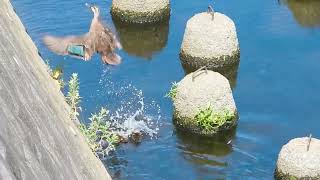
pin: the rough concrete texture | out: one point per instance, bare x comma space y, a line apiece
296, 162
197, 93
38, 140
230, 72
138, 11
211, 43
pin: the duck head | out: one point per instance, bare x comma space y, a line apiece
94, 9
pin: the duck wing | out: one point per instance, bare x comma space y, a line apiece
60, 45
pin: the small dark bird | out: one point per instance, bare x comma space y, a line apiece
99, 39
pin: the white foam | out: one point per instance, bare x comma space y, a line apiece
133, 113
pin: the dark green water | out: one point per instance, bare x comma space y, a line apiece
275, 90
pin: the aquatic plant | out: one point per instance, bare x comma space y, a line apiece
210, 120
173, 91
73, 97
100, 139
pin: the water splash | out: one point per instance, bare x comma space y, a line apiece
133, 113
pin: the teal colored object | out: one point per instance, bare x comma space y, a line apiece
76, 50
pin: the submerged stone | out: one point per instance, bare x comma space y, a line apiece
136, 137
104, 144
99, 133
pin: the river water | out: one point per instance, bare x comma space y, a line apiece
275, 87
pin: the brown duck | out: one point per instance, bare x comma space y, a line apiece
99, 39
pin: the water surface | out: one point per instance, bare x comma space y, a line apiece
275, 89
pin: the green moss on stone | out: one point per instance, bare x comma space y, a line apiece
140, 17
191, 125
278, 175
173, 91
209, 120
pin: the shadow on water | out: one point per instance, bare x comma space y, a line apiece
231, 73
142, 40
306, 12
205, 150
117, 164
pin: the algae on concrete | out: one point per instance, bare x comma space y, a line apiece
140, 17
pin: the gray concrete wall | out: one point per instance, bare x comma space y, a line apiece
37, 138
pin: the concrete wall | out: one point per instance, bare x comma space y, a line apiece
37, 138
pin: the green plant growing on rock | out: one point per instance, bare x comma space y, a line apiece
173, 91
73, 97
100, 139
210, 120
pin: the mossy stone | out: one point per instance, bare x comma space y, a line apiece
195, 92
136, 17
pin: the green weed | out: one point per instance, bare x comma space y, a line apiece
73, 97
173, 91
210, 120
100, 138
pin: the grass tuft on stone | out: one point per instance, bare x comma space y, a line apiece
173, 91
209, 120
99, 137
73, 97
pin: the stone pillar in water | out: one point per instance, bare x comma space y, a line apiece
211, 40
204, 104
138, 11
299, 159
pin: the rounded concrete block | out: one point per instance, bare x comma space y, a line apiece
299, 159
210, 41
198, 91
140, 11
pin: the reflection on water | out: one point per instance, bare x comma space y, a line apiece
116, 164
199, 149
231, 73
142, 40
306, 12
208, 154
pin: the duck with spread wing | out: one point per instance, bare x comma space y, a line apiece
99, 39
